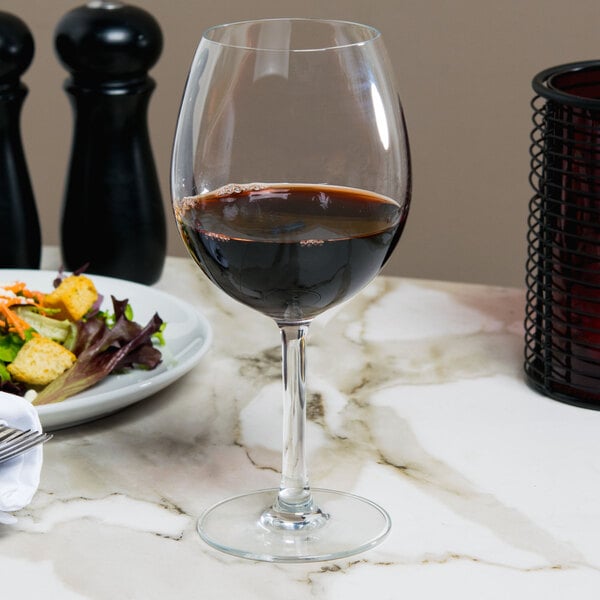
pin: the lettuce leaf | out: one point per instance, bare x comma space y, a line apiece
102, 349
10, 344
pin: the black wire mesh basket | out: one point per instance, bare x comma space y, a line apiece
562, 321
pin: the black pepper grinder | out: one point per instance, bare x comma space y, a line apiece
20, 238
113, 215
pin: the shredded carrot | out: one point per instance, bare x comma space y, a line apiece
16, 287
38, 297
18, 295
15, 323
20, 287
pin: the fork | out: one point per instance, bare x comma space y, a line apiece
14, 442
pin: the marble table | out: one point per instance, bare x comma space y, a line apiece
417, 401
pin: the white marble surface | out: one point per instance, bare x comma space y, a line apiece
417, 402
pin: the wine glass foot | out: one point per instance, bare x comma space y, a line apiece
343, 525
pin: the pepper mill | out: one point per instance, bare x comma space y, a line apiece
113, 216
20, 238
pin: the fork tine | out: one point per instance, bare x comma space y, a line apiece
22, 438
6, 430
16, 444
23, 445
12, 434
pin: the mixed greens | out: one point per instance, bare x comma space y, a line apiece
102, 342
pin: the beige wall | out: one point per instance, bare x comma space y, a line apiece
464, 69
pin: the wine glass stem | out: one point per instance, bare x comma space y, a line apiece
294, 492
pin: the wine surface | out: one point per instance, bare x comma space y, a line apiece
290, 251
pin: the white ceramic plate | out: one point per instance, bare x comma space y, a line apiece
187, 337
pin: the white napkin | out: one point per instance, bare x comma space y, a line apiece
19, 477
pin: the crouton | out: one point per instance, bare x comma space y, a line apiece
73, 297
40, 361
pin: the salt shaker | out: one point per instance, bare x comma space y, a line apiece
113, 215
20, 237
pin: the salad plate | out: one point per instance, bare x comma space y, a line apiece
187, 336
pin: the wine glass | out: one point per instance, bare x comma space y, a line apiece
291, 183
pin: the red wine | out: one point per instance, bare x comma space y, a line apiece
290, 251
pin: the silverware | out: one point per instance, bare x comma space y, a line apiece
14, 442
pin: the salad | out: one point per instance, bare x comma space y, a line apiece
56, 344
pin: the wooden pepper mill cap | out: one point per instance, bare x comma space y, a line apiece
16, 48
108, 41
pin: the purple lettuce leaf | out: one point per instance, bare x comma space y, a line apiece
13, 387
101, 350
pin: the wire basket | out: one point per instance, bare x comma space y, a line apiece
562, 321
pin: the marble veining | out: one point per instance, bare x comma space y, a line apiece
416, 400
